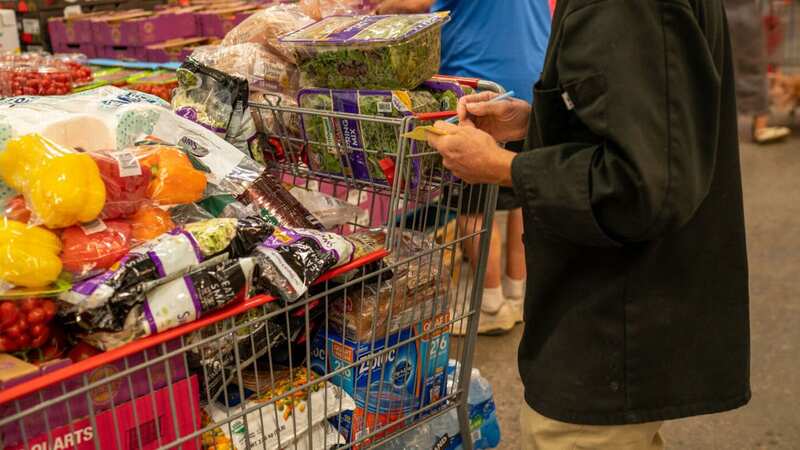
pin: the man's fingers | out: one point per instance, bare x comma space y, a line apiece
463, 102
447, 128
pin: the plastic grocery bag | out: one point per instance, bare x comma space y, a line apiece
260, 67
269, 24
112, 118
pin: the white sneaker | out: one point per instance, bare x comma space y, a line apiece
514, 291
490, 324
517, 309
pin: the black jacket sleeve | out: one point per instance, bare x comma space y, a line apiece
643, 81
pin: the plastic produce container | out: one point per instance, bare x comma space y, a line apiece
369, 52
371, 142
35, 79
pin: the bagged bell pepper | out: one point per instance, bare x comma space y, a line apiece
174, 179
126, 183
150, 222
62, 187
28, 255
86, 253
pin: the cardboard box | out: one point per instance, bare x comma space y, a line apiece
141, 382
173, 50
122, 52
218, 22
136, 424
392, 385
159, 27
12, 368
108, 28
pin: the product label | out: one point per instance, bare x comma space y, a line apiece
171, 305
172, 253
385, 107
331, 243
94, 227
128, 164
288, 273
30, 26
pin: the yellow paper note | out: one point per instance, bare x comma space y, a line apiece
421, 133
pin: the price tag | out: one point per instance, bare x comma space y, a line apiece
94, 227
30, 26
128, 164
384, 107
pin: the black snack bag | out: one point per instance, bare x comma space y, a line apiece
268, 195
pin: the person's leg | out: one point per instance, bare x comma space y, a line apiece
496, 315
514, 279
750, 63
542, 433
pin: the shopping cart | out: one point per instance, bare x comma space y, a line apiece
355, 363
782, 25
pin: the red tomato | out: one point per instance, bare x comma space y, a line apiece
82, 351
36, 316
8, 314
23, 341
50, 309
13, 331
23, 325
40, 329
28, 304
7, 344
39, 341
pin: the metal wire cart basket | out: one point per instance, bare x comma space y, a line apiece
369, 353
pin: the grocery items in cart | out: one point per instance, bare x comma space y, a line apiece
215, 100
389, 378
368, 52
261, 68
285, 398
340, 145
444, 432
265, 27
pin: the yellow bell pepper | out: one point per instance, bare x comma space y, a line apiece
28, 255
62, 187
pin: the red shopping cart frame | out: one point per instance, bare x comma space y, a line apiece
21, 390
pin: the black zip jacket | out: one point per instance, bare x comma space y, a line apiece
637, 302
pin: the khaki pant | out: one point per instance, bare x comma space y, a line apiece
541, 433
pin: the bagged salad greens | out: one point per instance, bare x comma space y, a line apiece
216, 100
369, 52
361, 155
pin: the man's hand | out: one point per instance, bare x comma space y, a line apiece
505, 120
403, 6
472, 154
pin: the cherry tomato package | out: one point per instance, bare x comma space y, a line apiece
26, 324
87, 251
35, 79
126, 182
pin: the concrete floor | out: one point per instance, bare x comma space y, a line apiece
772, 420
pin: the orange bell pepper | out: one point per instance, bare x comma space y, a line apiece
175, 181
149, 223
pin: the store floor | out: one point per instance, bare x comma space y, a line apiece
772, 420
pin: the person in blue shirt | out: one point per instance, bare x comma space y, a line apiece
502, 41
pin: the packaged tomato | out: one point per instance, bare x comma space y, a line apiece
26, 324
90, 249
44, 78
160, 83
126, 182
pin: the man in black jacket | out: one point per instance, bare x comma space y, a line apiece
637, 302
